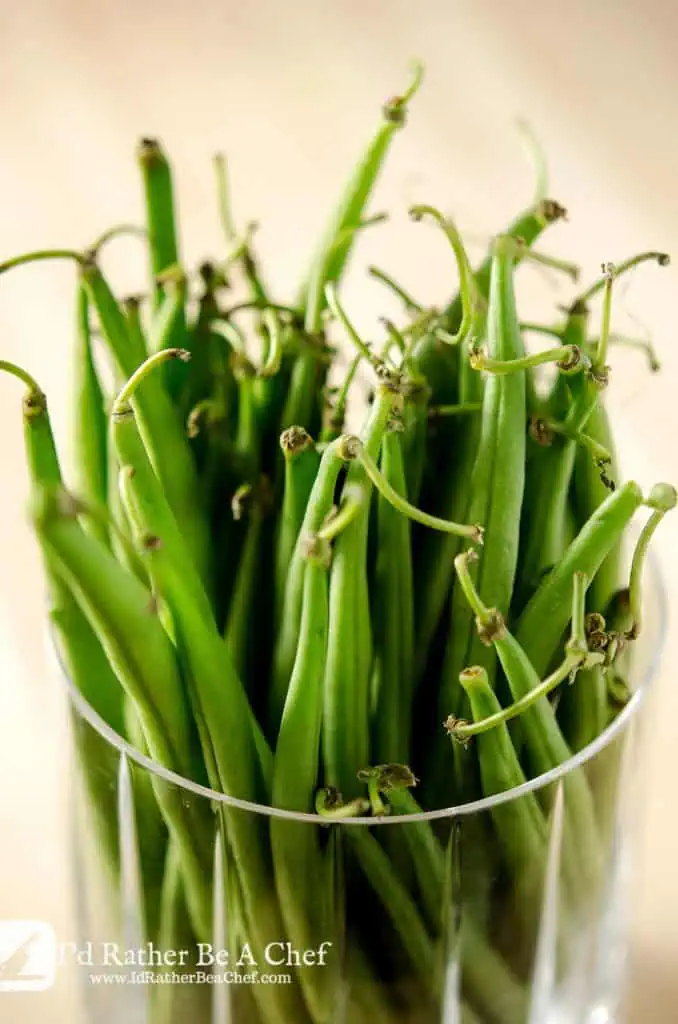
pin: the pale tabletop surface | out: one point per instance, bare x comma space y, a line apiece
291, 91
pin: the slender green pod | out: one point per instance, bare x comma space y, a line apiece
329, 264
131, 307
393, 614
298, 853
346, 740
239, 632
160, 216
90, 669
236, 756
487, 980
457, 447
545, 745
496, 492
320, 500
543, 621
521, 825
548, 484
415, 434
175, 578
162, 431
302, 460
122, 614
91, 422
589, 492
397, 903
168, 323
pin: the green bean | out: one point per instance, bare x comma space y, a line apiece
542, 622
496, 489
152, 834
89, 668
236, 756
394, 617
435, 553
297, 850
91, 424
162, 432
139, 349
549, 484
321, 498
397, 903
521, 828
301, 466
545, 745
520, 824
160, 216
329, 264
168, 324
487, 980
589, 492
238, 632
138, 650
121, 612
583, 709
349, 656
301, 404
415, 436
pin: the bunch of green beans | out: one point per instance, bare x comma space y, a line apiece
319, 620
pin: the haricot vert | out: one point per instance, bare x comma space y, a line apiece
348, 575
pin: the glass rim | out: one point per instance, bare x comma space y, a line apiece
488, 803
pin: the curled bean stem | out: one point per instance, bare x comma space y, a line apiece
41, 254
463, 731
340, 313
352, 448
663, 499
17, 371
467, 289
164, 356
565, 354
274, 355
410, 304
662, 258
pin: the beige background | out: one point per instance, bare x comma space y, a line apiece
291, 91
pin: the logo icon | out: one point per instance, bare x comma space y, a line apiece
28, 956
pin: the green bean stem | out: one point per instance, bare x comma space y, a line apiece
352, 449
568, 358
662, 499
410, 304
466, 281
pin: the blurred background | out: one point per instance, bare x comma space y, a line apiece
292, 92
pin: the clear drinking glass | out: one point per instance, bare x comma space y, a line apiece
394, 920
